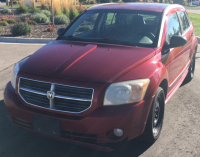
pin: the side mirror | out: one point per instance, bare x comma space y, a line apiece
175, 41
60, 31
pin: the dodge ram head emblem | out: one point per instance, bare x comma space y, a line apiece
50, 94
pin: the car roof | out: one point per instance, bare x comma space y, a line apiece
154, 7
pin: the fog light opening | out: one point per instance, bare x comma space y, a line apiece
118, 132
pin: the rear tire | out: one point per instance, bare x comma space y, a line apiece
155, 119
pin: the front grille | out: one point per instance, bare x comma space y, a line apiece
64, 98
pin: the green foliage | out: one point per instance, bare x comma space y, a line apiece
115, 1
11, 21
185, 3
66, 12
21, 9
40, 18
195, 18
61, 19
31, 22
33, 10
4, 23
0, 28
46, 12
108, 1
82, 1
6, 11
84, 29
23, 16
73, 13
21, 29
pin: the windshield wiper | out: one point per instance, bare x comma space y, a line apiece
114, 40
71, 37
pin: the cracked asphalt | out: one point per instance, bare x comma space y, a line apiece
180, 134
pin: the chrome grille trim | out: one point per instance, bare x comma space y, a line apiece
51, 102
33, 91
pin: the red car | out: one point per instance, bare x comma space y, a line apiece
108, 75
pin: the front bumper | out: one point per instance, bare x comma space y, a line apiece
93, 128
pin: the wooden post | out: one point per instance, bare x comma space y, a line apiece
52, 12
12, 7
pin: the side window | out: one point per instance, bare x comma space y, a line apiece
110, 19
173, 27
184, 20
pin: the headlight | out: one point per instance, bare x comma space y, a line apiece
16, 68
126, 92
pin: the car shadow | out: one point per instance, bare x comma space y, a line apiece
38, 145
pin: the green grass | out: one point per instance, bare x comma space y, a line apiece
89, 5
195, 18
8, 6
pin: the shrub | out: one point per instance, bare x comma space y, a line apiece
46, 12
185, 3
4, 23
33, 10
3, 18
50, 28
73, 13
115, 1
6, 11
80, 9
61, 19
24, 16
11, 21
40, 18
66, 12
93, 2
31, 22
21, 9
21, 29
109, 1
84, 29
0, 28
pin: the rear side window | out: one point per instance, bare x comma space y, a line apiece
173, 27
184, 21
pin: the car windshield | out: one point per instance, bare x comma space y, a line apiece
124, 27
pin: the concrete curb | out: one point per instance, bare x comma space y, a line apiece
26, 40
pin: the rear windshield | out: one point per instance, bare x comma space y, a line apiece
124, 27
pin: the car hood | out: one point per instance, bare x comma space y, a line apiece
85, 61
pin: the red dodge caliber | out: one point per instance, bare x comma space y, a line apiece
108, 75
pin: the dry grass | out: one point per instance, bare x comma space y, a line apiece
59, 5
67, 4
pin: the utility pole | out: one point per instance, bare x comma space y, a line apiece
52, 12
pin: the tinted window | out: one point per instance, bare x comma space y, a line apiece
173, 27
184, 20
124, 27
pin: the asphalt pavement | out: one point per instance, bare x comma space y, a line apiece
180, 136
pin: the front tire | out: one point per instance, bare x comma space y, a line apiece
155, 119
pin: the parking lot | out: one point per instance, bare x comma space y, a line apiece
180, 135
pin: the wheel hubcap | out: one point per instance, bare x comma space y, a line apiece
156, 113
156, 120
